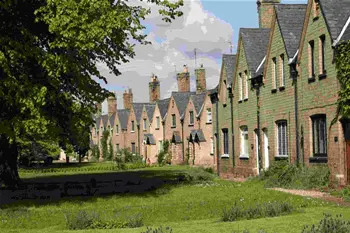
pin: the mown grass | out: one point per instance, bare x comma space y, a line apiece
195, 206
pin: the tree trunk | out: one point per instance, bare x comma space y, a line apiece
8, 163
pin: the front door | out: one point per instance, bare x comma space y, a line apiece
266, 150
346, 125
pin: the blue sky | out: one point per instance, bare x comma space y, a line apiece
206, 26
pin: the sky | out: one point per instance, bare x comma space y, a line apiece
206, 25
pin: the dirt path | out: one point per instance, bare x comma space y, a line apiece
314, 194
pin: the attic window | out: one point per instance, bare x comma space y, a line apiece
316, 9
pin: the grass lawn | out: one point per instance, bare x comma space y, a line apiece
185, 208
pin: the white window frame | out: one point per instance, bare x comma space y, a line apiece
280, 140
133, 152
144, 124
240, 87
209, 116
282, 70
243, 132
117, 129
274, 73
157, 122
132, 126
173, 116
246, 86
211, 145
191, 117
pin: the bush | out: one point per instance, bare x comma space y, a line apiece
163, 156
104, 145
329, 225
253, 212
158, 230
135, 221
285, 175
81, 220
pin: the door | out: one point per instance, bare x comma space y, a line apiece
348, 159
266, 150
346, 125
257, 151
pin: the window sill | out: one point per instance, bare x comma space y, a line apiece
274, 90
144, 130
322, 76
132, 131
225, 156
318, 160
156, 128
173, 127
279, 157
208, 123
311, 79
282, 88
211, 154
243, 157
190, 125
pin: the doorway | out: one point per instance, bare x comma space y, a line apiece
346, 125
266, 150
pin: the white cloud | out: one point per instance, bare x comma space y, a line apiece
174, 44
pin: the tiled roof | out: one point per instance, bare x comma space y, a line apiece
229, 62
181, 99
149, 139
112, 119
176, 137
255, 42
198, 100
104, 120
197, 135
336, 13
138, 108
123, 115
290, 18
98, 120
150, 110
163, 106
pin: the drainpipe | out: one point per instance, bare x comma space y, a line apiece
214, 100
183, 144
233, 134
138, 138
294, 75
256, 83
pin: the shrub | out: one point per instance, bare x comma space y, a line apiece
104, 145
283, 174
163, 156
209, 170
135, 221
158, 230
253, 212
110, 151
329, 225
81, 220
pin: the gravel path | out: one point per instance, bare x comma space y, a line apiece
314, 194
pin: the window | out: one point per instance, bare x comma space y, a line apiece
311, 59
117, 129
316, 8
160, 146
274, 73
211, 145
322, 54
191, 118
133, 148
282, 70
144, 124
117, 148
209, 117
173, 117
158, 122
282, 140
244, 142
319, 135
240, 86
225, 140
132, 126
246, 85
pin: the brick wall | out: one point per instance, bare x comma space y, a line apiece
154, 90
266, 13
183, 82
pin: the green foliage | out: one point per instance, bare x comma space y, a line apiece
163, 156
285, 175
95, 152
257, 211
158, 230
110, 151
342, 61
104, 145
131, 158
329, 225
187, 156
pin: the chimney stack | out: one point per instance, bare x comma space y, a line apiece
154, 89
183, 80
201, 82
128, 99
112, 104
99, 109
265, 11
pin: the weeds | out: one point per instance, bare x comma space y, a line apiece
259, 211
329, 225
158, 230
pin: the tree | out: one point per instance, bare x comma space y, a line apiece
48, 55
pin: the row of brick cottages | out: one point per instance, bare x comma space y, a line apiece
185, 119
280, 102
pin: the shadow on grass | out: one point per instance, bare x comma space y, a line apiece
43, 166
88, 187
